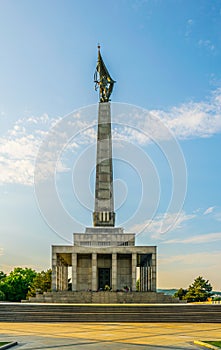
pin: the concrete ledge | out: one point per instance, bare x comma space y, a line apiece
206, 345
103, 298
7, 346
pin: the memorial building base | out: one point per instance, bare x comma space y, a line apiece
104, 259
103, 266
70, 297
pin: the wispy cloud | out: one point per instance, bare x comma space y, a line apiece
20, 145
18, 149
215, 211
201, 258
188, 120
207, 44
195, 119
209, 210
189, 27
158, 226
205, 238
17, 159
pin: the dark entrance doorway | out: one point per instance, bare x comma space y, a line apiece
103, 278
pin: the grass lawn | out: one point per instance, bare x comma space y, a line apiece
3, 343
215, 343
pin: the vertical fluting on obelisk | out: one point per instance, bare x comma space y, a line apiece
104, 197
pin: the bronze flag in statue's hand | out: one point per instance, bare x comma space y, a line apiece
103, 80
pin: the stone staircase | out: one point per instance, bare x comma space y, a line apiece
18, 312
103, 298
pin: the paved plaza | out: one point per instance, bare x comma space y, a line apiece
112, 336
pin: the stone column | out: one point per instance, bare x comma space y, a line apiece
142, 279
66, 273
54, 285
74, 272
134, 265
60, 277
149, 278
154, 272
114, 271
94, 272
64, 277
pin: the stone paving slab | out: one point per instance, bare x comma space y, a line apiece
205, 345
114, 336
8, 345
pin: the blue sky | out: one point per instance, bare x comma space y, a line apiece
165, 57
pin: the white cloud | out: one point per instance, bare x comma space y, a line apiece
88, 136
128, 134
19, 147
197, 210
17, 159
189, 27
208, 210
1, 251
205, 238
207, 44
201, 258
188, 120
196, 119
162, 223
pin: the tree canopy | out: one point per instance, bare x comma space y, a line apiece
199, 290
15, 286
41, 283
23, 282
180, 293
2, 275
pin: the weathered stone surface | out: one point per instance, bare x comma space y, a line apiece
104, 199
105, 298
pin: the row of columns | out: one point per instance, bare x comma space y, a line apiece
95, 271
145, 278
60, 273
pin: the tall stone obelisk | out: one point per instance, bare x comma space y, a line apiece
104, 255
104, 214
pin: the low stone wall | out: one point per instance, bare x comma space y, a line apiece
103, 298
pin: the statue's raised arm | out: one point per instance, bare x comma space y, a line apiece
103, 80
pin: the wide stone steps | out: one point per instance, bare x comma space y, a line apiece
10, 312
